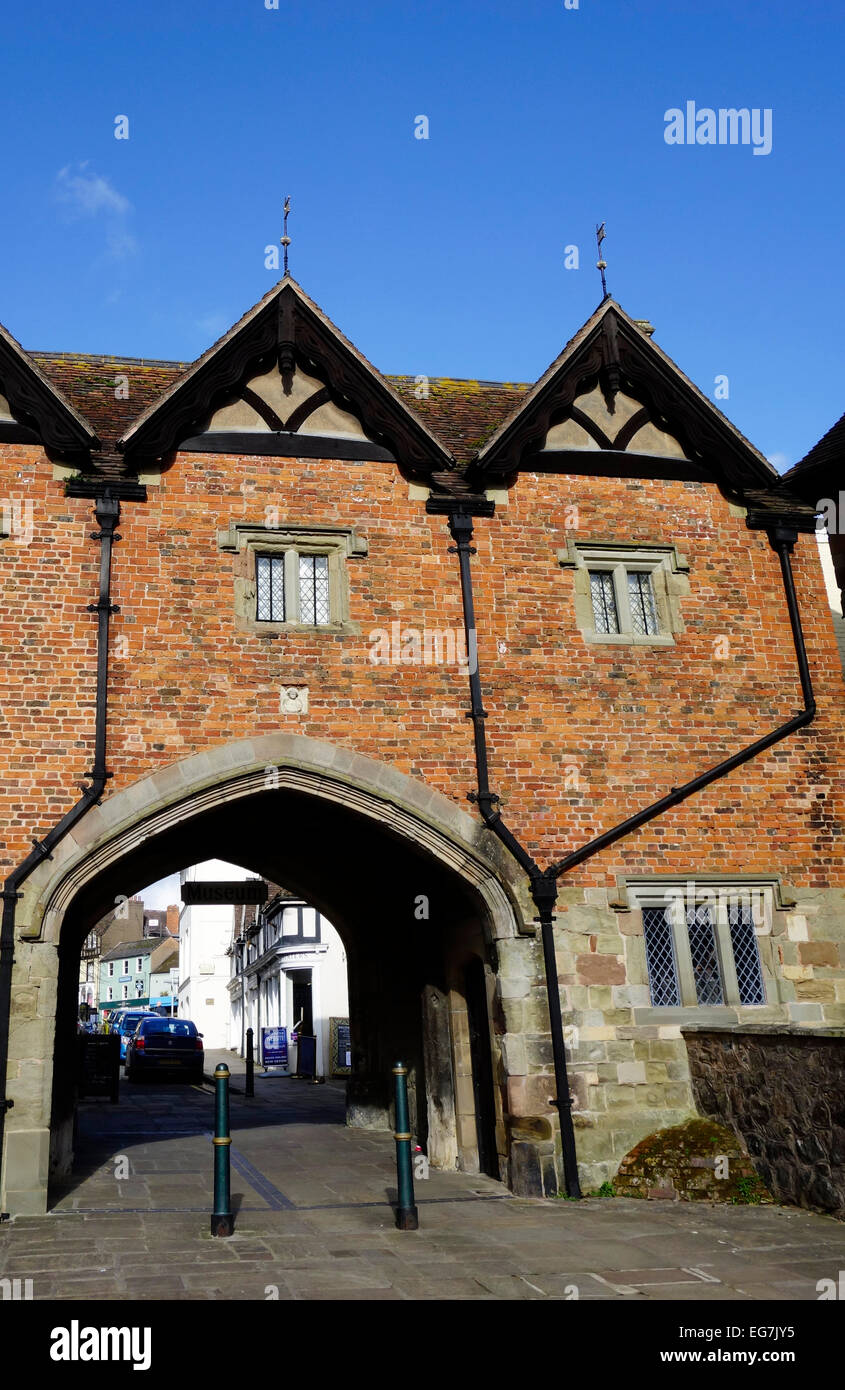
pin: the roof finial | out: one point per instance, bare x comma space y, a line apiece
285, 241
601, 263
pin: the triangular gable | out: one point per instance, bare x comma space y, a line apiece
34, 410
823, 468
613, 401
285, 381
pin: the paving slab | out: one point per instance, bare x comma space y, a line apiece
314, 1220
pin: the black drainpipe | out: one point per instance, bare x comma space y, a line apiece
782, 539
543, 882
107, 512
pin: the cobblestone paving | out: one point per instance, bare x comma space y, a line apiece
314, 1220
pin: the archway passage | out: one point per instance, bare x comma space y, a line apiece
418, 941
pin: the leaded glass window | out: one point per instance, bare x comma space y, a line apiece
746, 955
293, 587
270, 588
604, 601
314, 590
705, 956
623, 602
641, 598
704, 953
660, 957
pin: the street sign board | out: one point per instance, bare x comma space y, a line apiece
341, 1047
204, 892
274, 1047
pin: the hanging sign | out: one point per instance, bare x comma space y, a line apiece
248, 890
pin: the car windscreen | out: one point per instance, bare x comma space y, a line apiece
176, 1027
129, 1022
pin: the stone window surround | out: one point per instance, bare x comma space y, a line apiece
768, 892
665, 564
248, 539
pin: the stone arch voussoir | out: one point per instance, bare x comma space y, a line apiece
181, 790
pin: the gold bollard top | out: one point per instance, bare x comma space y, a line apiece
221, 1069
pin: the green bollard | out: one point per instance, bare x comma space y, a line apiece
406, 1212
222, 1221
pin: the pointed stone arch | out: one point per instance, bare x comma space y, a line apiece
235, 770
64, 896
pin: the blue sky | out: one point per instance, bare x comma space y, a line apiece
442, 256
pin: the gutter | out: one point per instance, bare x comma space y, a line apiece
460, 513
107, 512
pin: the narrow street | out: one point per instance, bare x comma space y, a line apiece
314, 1221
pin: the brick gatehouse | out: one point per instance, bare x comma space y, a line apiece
234, 624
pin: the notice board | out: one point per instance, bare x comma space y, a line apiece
340, 1047
274, 1047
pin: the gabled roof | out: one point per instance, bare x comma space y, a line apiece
462, 414
286, 322
124, 949
828, 456
614, 351
454, 435
38, 405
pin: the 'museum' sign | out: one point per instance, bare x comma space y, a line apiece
248, 890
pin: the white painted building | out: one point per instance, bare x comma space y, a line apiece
834, 596
291, 966
205, 941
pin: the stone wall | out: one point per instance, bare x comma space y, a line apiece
782, 1090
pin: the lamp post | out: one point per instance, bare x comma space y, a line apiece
239, 967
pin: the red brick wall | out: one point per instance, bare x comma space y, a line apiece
48, 644
633, 721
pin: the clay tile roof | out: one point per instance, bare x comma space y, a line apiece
89, 384
828, 453
462, 414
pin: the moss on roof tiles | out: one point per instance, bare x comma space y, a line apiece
462, 413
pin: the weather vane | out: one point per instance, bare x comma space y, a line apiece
285, 241
601, 263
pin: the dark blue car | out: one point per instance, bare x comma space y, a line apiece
161, 1045
126, 1024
